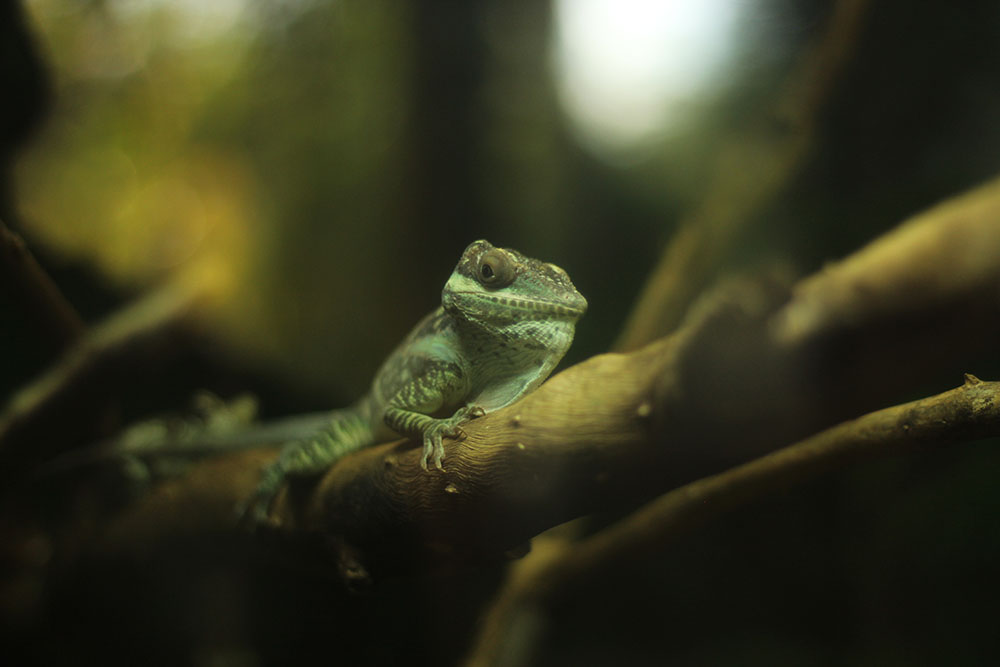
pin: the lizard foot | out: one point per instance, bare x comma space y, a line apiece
450, 427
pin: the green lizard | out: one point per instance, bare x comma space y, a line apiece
504, 323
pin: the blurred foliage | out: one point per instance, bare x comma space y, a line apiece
326, 162
286, 153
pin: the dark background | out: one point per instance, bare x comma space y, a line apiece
331, 160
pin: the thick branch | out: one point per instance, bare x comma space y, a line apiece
581, 434
938, 257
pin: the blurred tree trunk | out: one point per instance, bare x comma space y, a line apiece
446, 125
24, 87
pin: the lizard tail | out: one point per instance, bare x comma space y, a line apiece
347, 430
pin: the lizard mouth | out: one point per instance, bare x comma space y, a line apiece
574, 308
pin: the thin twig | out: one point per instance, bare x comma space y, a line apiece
60, 409
27, 282
969, 412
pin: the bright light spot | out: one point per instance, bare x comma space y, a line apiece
628, 69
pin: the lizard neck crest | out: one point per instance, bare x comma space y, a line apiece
493, 287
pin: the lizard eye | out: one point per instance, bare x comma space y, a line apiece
495, 269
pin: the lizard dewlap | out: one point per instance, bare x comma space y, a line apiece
504, 323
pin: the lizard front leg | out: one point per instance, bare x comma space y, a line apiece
408, 411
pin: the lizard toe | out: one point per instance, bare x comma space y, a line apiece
433, 448
438, 455
427, 451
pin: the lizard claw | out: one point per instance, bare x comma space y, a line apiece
432, 442
433, 448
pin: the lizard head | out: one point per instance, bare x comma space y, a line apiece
500, 284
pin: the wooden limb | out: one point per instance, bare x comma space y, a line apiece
496, 492
969, 412
751, 172
52, 316
939, 256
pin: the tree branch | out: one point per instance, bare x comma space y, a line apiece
939, 256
